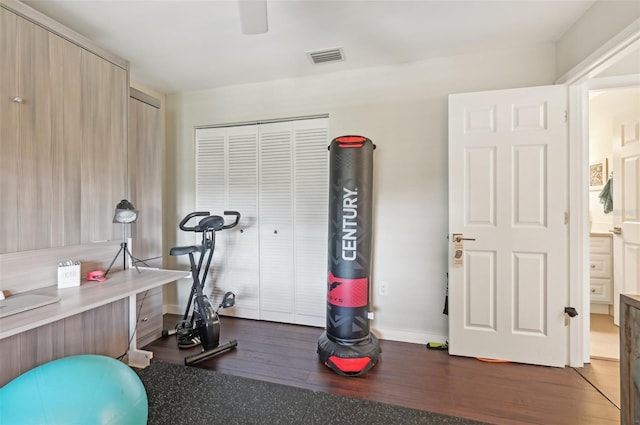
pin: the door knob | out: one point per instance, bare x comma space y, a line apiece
17, 99
457, 237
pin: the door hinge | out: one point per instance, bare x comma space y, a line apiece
566, 217
566, 115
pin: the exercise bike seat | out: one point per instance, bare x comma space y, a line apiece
183, 250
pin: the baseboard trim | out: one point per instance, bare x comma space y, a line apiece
408, 336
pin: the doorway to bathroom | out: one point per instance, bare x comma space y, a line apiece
613, 111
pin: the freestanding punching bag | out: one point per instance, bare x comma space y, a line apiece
347, 346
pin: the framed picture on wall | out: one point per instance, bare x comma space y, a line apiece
598, 174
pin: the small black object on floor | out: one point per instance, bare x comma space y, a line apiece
188, 395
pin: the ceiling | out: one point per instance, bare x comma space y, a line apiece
182, 45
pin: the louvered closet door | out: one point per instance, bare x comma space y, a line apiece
276, 176
227, 179
293, 221
210, 168
211, 189
311, 203
241, 247
276, 222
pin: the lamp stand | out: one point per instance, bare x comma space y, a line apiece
125, 251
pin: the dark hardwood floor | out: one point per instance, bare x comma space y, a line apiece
410, 375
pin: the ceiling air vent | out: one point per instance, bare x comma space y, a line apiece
324, 56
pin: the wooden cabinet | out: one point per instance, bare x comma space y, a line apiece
63, 118
630, 359
26, 123
146, 158
600, 269
149, 313
104, 93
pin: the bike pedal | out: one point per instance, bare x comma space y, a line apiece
189, 342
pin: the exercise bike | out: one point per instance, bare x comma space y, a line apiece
202, 326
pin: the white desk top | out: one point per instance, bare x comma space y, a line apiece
87, 296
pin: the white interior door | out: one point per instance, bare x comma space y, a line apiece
508, 194
626, 205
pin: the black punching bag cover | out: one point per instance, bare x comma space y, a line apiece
347, 346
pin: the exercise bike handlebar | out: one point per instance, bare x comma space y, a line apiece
235, 223
183, 223
198, 228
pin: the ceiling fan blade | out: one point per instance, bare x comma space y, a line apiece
253, 16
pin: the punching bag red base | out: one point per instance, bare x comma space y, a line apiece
347, 346
349, 360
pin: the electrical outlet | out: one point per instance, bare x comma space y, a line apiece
384, 288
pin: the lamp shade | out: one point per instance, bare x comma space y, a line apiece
125, 212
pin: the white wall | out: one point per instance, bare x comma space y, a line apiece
604, 20
403, 109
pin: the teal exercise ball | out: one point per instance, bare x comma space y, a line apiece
84, 389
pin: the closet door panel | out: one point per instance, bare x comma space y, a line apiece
241, 242
226, 179
66, 142
34, 150
9, 122
146, 154
210, 168
311, 192
104, 105
210, 195
276, 223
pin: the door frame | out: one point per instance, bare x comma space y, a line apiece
580, 80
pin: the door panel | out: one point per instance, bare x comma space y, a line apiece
9, 131
480, 285
241, 242
227, 179
480, 184
626, 213
311, 212
276, 222
145, 164
103, 171
508, 198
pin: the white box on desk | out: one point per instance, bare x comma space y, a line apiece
69, 276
